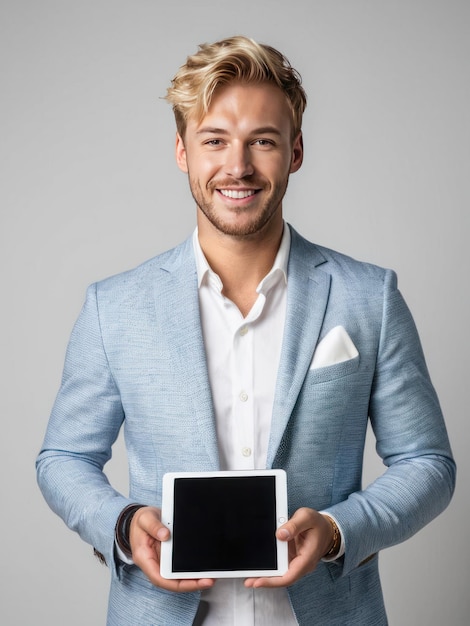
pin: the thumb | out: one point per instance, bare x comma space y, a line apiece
301, 520
148, 519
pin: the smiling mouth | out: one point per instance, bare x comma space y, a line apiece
238, 194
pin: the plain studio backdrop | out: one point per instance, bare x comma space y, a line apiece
90, 188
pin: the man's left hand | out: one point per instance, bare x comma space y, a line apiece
310, 536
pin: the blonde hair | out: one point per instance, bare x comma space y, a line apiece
233, 59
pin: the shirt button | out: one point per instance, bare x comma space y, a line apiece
243, 396
246, 451
243, 330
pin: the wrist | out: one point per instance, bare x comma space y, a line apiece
335, 544
123, 526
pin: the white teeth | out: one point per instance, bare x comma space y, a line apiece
231, 193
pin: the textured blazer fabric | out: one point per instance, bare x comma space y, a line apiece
136, 360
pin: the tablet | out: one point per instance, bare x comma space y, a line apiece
223, 524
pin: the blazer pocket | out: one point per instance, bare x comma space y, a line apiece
332, 372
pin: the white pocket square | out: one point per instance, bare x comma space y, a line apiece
335, 347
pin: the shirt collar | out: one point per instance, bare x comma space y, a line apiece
278, 270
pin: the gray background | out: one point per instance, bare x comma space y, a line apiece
90, 188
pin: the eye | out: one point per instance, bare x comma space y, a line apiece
263, 143
213, 142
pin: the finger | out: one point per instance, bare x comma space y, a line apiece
301, 520
182, 585
187, 586
148, 519
298, 567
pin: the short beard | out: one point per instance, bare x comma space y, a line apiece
256, 225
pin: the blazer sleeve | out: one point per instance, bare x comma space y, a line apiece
411, 439
85, 422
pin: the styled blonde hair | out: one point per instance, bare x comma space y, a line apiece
237, 59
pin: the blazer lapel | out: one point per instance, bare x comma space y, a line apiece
181, 309
307, 298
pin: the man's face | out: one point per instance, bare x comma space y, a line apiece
239, 158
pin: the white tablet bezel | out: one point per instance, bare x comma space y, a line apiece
166, 553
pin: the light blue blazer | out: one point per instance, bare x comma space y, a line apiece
136, 359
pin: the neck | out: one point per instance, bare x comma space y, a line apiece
240, 262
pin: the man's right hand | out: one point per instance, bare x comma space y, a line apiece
145, 537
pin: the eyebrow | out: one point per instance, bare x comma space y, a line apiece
212, 131
264, 130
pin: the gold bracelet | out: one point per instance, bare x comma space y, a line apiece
335, 546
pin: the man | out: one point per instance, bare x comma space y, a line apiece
247, 347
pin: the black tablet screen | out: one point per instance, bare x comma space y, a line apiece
224, 524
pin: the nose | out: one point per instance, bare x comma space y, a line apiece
238, 163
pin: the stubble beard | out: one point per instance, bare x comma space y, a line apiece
260, 219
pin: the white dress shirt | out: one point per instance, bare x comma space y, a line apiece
242, 358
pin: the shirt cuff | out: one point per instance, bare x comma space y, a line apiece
121, 556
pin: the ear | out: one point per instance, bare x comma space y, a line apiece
297, 153
180, 152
